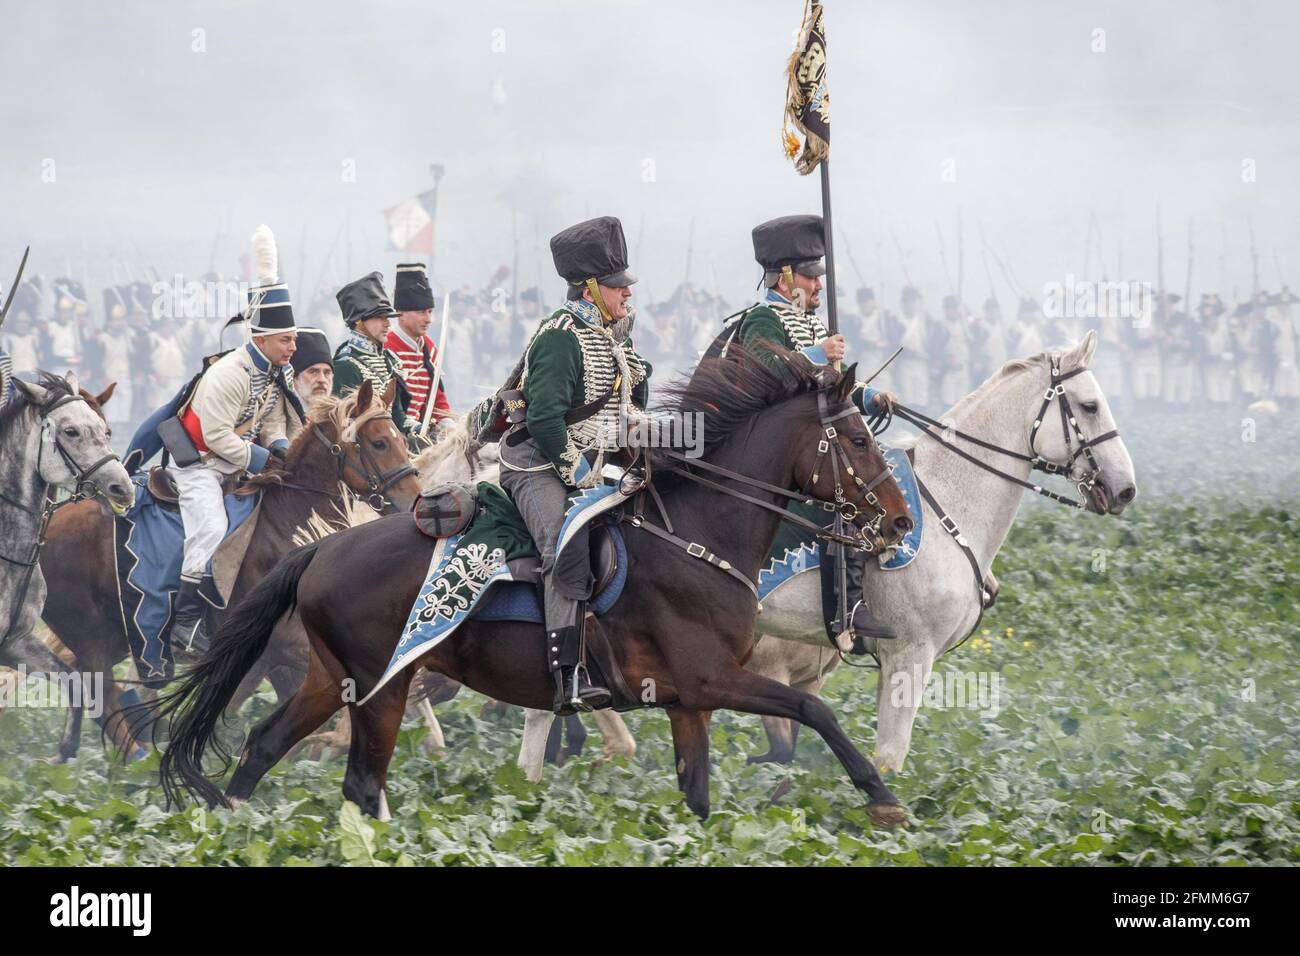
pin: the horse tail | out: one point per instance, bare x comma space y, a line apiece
206, 690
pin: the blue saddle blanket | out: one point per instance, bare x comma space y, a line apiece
474, 574
149, 543
796, 550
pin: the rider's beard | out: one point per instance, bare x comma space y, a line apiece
620, 329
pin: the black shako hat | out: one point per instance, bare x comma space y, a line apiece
364, 299
594, 249
313, 349
795, 241
411, 292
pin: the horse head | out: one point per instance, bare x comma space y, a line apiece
75, 451
1075, 431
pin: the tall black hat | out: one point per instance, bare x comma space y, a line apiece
411, 292
114, 303
795, 241
365, 299
594, 249
68, 294
313, 349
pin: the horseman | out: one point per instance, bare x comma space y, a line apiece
580, 378
239, 413
313, 369
790, 250
413, 300
362, 356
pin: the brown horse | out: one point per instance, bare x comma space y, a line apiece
680, 632
350, 441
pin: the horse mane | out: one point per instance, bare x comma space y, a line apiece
331, 410
731, 390
454, 438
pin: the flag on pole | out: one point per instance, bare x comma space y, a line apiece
807, 102
410, 224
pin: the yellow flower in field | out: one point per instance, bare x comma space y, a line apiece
1011, 632
1027, 643
985, 632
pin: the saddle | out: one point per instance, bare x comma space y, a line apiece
161, 484
604, 561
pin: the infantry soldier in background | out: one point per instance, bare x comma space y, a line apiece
914, 363
1145, 365
1178, 358
1218, 364
1286, 377
955, 376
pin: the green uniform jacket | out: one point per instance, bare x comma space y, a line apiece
761, 323
556, 384
349, 373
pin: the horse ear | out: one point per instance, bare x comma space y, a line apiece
102, 398
34, 393
1081, 354
73, 385
390, 390
847, 382
365, 395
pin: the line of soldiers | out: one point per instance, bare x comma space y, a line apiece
1164, 356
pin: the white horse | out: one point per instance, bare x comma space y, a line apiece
934, 602
50, 437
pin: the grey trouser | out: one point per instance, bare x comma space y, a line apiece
542, 497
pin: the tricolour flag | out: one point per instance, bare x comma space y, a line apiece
807, 102
410, 224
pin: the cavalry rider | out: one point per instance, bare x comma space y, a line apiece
313, 369
790, 249
413, 300
362, 356
580, 378
241, 412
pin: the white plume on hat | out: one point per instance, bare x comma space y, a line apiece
265, 256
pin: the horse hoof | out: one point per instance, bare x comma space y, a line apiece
887, 814
782, 788
235, 802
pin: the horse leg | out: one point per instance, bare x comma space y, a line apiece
319, 696
904, 674
374, 735
25, 649
691, 745
780, 741
532, 751
434, 740
618, 740
575, 733
737, 689
554, 738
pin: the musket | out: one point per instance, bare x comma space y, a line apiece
437, 366
13, 289
848, 250
1187, 284
943, 256
1254, 269
984, 255
902, 259
961, 256
690, 250
1160, 266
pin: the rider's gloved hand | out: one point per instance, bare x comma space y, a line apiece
257, 458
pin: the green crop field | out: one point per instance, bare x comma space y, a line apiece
1147, 712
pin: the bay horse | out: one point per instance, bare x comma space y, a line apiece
935, 601
680, 631
53, 435
349, 441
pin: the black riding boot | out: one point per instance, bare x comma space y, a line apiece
573, 689
188, 633
862, 622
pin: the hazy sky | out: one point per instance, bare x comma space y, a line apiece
658, 112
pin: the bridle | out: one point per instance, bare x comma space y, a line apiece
844, 509
49, 505
1069, 426
377, 482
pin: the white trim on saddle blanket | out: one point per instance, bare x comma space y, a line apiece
807, 557
442, 606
